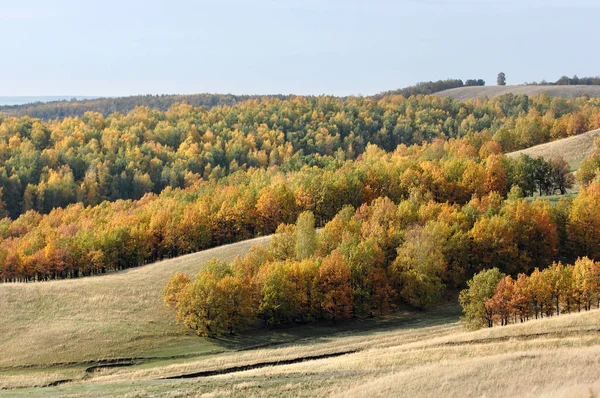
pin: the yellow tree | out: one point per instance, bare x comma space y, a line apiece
306, 236
522, 297
585, 283
235, 298
175, 286
419, 268
334, 281
541, 294
495, 175
584, 222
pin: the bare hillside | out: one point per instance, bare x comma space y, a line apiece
466, 93
572, 149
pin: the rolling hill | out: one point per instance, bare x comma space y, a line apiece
427, 355
467, 93
113, 315
110, 335
573, 149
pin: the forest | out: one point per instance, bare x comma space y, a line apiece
81, 240
365, 262
107, 106
413, 195
45, 165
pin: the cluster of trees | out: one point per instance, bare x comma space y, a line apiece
546, 177
80, 240
571, 81
495, 299
366, 262
44, 165
425, 88
106, 106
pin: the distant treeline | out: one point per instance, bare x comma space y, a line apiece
44, 165
570, 81
124, 105
425, 88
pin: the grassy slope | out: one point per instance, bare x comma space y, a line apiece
558, 356
109, 316
466, 93
572, 149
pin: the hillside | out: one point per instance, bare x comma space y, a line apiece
572, 149
556, 356
467, 93
114, 315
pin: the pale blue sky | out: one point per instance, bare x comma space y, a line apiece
341, 47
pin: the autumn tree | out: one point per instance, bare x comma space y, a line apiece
584, 222
306, 235
334, 279
481, 288
501, 304
541, 294
176, 284
419, 267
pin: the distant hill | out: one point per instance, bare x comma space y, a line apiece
106, 106
466, 93
572, 149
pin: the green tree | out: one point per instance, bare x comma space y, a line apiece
501, 80
419, 268
306, 235
473, 299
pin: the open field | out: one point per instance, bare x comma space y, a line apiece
111, 336
572, 149
111, 316
430, 356
467, 93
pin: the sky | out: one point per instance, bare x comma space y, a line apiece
337, 47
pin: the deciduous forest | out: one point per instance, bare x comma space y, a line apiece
413, 195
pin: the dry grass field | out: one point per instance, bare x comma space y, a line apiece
111, 336
572, 149
557, 357
467, 93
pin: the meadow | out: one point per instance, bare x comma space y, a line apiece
481, 92
427, 355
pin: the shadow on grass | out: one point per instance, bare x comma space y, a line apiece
403, 318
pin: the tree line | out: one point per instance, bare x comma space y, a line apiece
365, 262
493, 298
571, 81
91, 159
431, 87
107, 106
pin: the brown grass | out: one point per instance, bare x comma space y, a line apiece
467, 93
572, 149
558, 356
121, 315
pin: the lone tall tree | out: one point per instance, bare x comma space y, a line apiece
501, 79
306, 235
